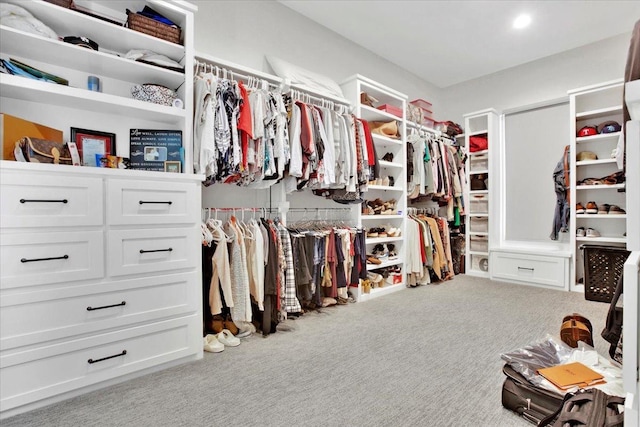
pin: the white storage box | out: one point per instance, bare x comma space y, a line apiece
479, 225
478, 164
479, 262
479, 204
479, 244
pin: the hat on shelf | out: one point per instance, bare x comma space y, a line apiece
81, 41
609, 127
587, 131
586, 155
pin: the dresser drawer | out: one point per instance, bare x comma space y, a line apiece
47, 371
38, 200
89, 308
549, 271
152, 250
30, 259
152, 202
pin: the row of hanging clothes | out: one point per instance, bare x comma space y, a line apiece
436, 170
253, 135
429, 256
258, 272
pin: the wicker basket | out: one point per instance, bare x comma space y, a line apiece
602, 268
152, 27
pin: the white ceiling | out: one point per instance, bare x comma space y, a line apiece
448, 42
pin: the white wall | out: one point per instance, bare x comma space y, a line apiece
545, 79
245, 31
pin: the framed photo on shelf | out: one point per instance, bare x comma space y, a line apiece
91, 143
173, 166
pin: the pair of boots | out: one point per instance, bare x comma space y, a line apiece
219, 322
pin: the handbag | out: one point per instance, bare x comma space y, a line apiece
478, 143
36, 150
388, 129
612, 331
587, 408
576, 328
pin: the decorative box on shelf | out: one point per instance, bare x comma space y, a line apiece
152, 27
391, 109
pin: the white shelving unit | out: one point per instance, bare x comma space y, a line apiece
352, 87
479, 208
591, 106
125, 298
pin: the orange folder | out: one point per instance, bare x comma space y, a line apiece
571, 375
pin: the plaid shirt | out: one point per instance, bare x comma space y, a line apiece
291, 303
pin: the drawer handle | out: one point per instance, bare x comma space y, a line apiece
44, 259
106, 306
143, 251
525, 268
142, 202
108, 357
43, 201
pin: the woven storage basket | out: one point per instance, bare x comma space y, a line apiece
152, 27
603, 266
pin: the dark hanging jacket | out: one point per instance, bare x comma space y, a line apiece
561, 184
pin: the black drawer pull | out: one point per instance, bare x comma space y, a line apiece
143, 251
44, 259
106, 306
525, 268
108, 357
43, 201
142, 202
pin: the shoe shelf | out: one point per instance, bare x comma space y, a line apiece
375, 240
385, 141
477, 233
383, 264
479, 171
600, 137
602, 239
479, 153
599, 187
595, 162
386, 164
599, 113
478, 253
601, 216
384, 187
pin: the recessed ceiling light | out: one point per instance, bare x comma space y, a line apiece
522, 21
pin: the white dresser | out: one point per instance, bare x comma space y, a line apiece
100, 278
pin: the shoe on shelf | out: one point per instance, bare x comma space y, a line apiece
388, 157
616, 210
382, 232
391, 181
580, 232
603, 209
373, 260
592, 232
385, 181
212, 345
373, 232
228, 339
579, 208
592, 208
392, 251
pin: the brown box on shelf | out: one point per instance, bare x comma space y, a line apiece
152, 27
13, 129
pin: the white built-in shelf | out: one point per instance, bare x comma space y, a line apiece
372, 240
478, 253
602, 239
479, 171
599, 137
386, 164
479, 153
479, 132
601, 112
459, 136
595, 162
384, 264
415, 125
372, 217
66, 22
478, 215
54, 94
373, 114
384, 140
601, 216
478, 192
477, 233
384, 187
599, 187
14, 43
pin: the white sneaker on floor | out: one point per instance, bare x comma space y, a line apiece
227, 338
212, 345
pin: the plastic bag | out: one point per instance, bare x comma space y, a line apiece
543, 354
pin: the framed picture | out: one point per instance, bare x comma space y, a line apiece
91, 143
173, 166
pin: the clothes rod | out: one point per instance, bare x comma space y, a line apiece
235, 74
